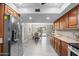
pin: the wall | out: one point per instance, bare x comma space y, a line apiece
48, 27
26, 33
68, 33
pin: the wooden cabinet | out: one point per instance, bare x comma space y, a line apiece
1, 19
60, 46
1, 49
57, 45
65, 20
61, 23
70, 20
57, 25
1, 27
53, 42
64, 49
9, 10
73, 18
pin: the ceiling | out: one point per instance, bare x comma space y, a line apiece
44, 8
23, 5
49, 12
42, 17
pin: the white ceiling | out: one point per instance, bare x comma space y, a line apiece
24, 5
52, 11
46, 8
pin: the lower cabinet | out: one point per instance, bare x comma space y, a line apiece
1, 49
64, 49
60, 46
57, 43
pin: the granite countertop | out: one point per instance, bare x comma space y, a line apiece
66, 39
1, 40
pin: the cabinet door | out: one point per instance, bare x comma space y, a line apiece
57, 25
78, 15
1, 19
57, 46
61, 23
73, 18
1, 49
64, 49
53, 42
65, 21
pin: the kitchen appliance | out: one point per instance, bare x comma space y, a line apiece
7, 35
12, 41
73, 49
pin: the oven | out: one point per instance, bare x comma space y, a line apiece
72, 51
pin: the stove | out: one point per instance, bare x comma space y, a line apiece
73, 49
75, 45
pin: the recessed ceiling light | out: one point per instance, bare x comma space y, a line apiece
47, 18
30, 18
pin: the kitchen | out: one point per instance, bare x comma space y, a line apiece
63, 36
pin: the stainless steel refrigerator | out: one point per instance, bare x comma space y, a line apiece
12, 36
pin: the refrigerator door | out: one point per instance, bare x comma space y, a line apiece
12, 40
16, 46
7, 35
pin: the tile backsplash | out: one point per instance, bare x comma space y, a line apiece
69, 33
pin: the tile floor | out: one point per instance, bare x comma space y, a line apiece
41, 48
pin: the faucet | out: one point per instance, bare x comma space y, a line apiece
76, 36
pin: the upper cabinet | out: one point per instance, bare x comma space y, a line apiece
1, 19
70, 20
78, 9
61, 23
9, 10
73, 18
57, 24
65, 20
